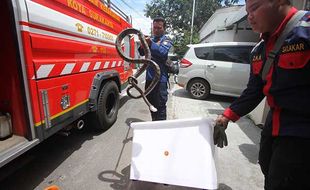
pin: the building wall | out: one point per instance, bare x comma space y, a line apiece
211, 38
217, 21
246, 36
224, 36
242, 34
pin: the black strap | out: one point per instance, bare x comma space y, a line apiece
277, 46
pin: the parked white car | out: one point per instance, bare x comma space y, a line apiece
221, 68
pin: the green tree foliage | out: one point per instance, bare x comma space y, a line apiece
178, 14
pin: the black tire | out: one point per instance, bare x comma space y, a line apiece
107, 107
199, 89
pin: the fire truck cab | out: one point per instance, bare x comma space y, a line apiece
58, 67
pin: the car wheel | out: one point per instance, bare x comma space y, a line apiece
107, 107
199, 89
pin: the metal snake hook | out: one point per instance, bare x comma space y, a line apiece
146, 63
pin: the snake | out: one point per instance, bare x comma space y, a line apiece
147, 62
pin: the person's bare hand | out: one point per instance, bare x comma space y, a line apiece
222, 120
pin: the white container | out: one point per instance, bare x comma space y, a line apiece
5, 125
178, 152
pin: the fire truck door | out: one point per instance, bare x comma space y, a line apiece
50, 97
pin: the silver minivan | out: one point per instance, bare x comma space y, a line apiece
220, 68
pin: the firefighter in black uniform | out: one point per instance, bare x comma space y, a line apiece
284, 154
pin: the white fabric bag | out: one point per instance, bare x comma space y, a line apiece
176, 152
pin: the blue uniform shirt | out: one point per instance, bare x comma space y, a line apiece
159, 51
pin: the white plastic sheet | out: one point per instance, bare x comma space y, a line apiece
177, 152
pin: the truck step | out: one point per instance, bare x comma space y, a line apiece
13, 147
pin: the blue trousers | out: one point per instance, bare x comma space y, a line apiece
158, 98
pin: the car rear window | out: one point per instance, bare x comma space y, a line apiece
203, 52
239, 54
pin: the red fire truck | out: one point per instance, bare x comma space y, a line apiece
58, 66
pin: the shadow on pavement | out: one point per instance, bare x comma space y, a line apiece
132, 120
182, 93
222, 186
123, 100
217, 98
122, 181
119, 181
250, 129
128, 122
250, 151
30, 169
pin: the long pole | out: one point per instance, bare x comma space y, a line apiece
193, 14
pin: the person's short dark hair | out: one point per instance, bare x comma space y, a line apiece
160, 19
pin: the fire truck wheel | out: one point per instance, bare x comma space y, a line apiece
108, 105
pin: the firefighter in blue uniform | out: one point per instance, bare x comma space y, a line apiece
284, 154
159, 45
